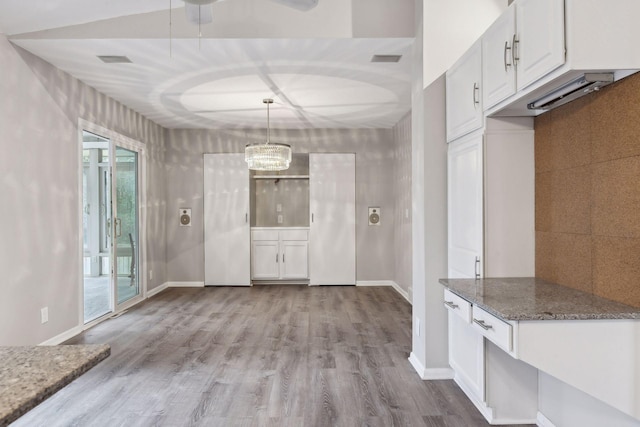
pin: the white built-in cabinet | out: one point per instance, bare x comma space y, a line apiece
279, 254
525, 43
491, 233
504, 389
226, 220
324, 254
491, 201
332, 228
464, 94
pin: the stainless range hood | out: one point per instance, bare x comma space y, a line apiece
583, 85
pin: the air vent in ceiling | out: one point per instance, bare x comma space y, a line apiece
114, 59
386, 58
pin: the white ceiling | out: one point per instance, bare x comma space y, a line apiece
319, 74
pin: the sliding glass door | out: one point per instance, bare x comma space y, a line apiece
110, 226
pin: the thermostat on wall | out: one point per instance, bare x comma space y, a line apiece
374, 216
185, 217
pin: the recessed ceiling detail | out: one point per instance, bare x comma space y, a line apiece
308, 61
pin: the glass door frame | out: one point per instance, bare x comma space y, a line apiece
116, 140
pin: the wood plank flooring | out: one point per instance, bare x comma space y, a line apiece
260, 356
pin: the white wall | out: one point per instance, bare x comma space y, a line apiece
40, 256
450, 28
374, 187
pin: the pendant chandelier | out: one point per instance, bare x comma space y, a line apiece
268, 156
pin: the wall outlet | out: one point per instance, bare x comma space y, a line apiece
279, 207
150, 274
44, 314
417, 327
406, 213
279, 219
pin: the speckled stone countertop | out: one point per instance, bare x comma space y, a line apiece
29, 375
529, 298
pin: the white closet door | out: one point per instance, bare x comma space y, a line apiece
332, 204
227, 234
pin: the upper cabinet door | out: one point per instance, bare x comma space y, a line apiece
464, 104
498, 71
539, 46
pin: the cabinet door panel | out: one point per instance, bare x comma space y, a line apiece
465, 194
227, 234
332, 232
265, 259
540, 48
294, 260
498, 72
464, 103
466, 356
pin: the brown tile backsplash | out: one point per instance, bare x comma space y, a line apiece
564, 142
562, 200
564, 258
587, 157
615, 198
615, 122
616, 270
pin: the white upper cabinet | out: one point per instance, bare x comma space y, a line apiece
464, 103
525, 43
498, 71
539, 43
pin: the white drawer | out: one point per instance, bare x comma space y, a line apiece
294, 234
497, 331
264, 234
457, 305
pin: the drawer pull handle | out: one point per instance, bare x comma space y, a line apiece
451, 304
482, 324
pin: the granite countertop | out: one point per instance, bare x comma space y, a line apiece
29, 375
530, 298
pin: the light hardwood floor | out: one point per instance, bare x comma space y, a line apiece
260, 356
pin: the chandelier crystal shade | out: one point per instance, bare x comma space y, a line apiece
268, 156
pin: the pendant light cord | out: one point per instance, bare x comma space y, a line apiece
268, 126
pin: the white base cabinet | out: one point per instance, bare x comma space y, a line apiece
279, 253
504, 390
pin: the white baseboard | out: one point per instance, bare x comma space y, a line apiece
391, 283
59, 339
417, 365
431, 373
438, 374
184, 284
542, 421
157, 290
